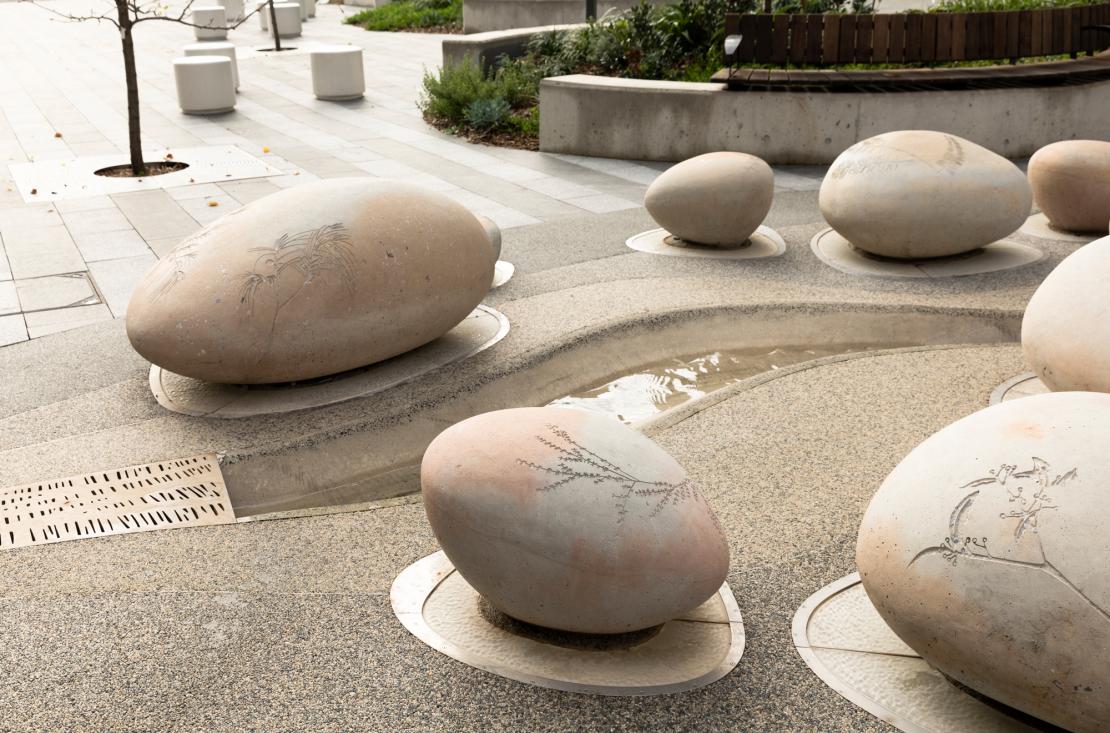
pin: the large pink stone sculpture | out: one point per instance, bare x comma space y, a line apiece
571, 520
1071, 184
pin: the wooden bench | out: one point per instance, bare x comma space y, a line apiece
918, 38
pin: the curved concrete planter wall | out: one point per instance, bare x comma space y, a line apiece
481, 16
657, 120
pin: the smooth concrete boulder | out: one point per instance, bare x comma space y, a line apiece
493, 232
311, 281
1065, 333
1071, 184
571, 520
918, 193
716, 199
986, 551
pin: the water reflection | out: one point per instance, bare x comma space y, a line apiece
666, 384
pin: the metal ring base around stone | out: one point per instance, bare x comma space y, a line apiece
440, 608
1025, 384
764, 242
1038, 226
842, 638
837, 252
502, 273
480, 330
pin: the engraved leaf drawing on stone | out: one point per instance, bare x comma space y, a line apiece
1009, 536
178, 262
310, 254
575, 462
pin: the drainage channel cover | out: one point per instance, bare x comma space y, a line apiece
842, 638
184, 492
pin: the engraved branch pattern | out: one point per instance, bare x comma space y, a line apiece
311, 253
1030, 494
576, 462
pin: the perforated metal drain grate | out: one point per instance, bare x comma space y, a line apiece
184, 492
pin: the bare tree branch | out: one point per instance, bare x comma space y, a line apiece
69, 17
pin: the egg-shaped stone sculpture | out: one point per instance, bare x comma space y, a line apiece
1071, 184
493, 232
311, 281
716, 199
571, 520
1065, 333
986, 551
918, 193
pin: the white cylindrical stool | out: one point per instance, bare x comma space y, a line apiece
217, 48
204, 84
337, 73
311, 8
288, 19
304, 9
210, 22
264, 14
234, 10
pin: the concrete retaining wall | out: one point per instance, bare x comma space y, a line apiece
484, 48
654, 120
480, 16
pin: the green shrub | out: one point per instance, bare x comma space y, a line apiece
410, 14
485, 115
978, 6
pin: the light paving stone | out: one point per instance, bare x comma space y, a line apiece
198, 191
5, 269
602, 203
38, 252
206, 210
162, 247
247, 191
9, 299
155, 215
12, 329
55, 291
116, 279
111, 245
44, 323
72, 206
35, 216
95, 221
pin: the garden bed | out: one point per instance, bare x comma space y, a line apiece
414, 16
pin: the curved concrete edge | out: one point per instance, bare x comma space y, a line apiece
669, 418
415, 585
657, 120
485, 48
370, 448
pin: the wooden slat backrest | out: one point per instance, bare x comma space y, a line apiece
780, 39
763, 38
815, 28
929, 38
896, 46
798, 26
880, 39
830, 40
912, 42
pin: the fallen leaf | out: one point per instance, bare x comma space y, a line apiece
57, 134
213, 203
265, 149
34, 191
169, 156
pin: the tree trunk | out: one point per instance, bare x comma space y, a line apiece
273, 26
134, 137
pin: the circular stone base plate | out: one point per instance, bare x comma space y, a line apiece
765, 242
837, 252
1023, 385
439, 607
847, 644
502, 273
480, 330
1037, 226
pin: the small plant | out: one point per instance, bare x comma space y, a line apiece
407, 15
485, 115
